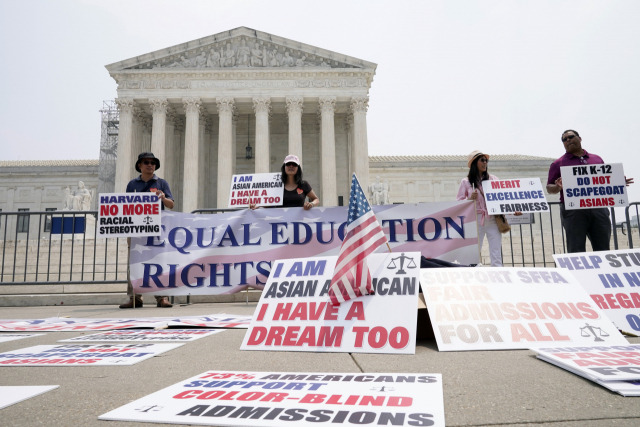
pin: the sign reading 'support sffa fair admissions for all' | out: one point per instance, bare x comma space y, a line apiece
261, 189
593, 186
129, 215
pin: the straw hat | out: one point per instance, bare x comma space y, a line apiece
474, 155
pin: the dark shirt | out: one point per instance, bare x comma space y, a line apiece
137, 185
295, 198
571, 160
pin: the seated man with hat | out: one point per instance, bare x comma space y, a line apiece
147, 181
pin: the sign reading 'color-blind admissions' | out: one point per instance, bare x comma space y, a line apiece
261, 189
300, 399
594, 186
129, 215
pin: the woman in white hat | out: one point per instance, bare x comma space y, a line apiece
296, 190
471, 189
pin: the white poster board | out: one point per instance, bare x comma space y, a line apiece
506, 196
612, 278
594, 186
512, 308
10, 395
295, 312
83, 354
13, 337
262, 189
145, 335
303, 399
604, 363
129, 215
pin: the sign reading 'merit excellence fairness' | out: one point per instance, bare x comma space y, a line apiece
277, 399
511, 308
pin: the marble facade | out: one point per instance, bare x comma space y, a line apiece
199, 105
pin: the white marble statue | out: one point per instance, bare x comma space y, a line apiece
79, 200
379, 192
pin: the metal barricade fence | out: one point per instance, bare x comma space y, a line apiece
54, 247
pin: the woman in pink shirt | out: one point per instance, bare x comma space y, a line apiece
471, 189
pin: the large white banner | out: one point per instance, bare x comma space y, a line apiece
13, 337
594, 186
511, 308
300, 399
226, 253
83, 354
295, 312
612, 278
506, 196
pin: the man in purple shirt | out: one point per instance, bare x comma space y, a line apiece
580, 224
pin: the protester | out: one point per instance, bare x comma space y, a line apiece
471, 189
580, 224
147, 181
296, 190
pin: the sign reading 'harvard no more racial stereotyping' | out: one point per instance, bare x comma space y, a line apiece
129, 215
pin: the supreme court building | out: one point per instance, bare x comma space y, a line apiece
239, 102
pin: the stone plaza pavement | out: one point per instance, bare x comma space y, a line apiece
481, 388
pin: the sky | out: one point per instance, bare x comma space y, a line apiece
453, 76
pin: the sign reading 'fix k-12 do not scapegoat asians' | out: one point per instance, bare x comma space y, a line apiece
129, 215
594, 186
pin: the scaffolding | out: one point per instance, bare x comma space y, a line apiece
110, 120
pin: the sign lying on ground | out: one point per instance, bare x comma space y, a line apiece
83, 354
226, 253
612, 278
164, 335
295, 312
594, 186
76, 324
13, 337
511, 308
614, 367
10, 395
262, 189
276, 399
506, 196
129, 215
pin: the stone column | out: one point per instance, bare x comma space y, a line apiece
294, 110
159, 128
225, 150
124, 159
359, 107
328, 151
190, 187
170, 151
202, 158
262, 106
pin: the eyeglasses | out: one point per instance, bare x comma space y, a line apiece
568, 137
290, 164
148, 162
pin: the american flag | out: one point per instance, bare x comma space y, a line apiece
351, 277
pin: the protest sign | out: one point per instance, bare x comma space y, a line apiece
612, 278
261, 189
129, 215
10, 395
594, 186
164, 335
295, 312
520, 219
604, 363
506, 196
83, 354
226, 253
301, 399
511, 308
13, 337
92, 324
